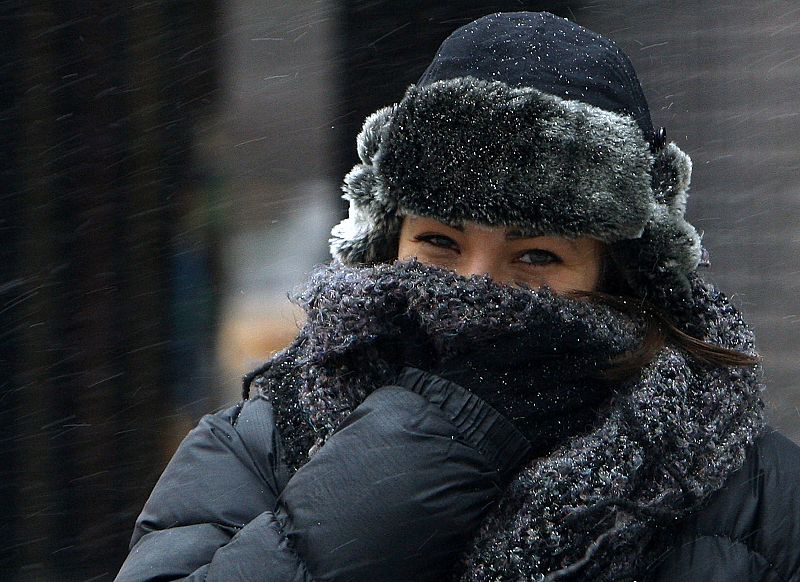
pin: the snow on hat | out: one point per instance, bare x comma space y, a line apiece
527, 120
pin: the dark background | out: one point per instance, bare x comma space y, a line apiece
170, 169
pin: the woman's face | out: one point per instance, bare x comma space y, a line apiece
506, 255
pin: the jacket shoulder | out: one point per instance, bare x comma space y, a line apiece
751, 527
226, 471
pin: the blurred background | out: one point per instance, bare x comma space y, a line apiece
171, 169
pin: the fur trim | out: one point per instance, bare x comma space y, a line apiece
657, 263
373, 223
470, 150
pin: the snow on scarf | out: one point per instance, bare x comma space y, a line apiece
668, 439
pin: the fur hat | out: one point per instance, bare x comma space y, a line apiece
527, 120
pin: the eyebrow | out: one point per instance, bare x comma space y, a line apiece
517, 234
512, 234
456, 226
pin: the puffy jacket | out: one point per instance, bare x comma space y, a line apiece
397, 492
749, 530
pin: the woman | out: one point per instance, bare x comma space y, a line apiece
542, 388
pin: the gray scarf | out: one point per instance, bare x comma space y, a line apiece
589, 508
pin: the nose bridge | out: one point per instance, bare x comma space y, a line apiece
482, 251
481, 260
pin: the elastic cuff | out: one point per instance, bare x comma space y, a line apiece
505, 447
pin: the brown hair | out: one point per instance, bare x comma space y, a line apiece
659, 331
616, 293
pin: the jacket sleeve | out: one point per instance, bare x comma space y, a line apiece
395, 493
749, 530
214, 496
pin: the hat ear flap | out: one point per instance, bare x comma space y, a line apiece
372, 133
658, 263
671, 175
369, 233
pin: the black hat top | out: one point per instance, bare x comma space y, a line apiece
548, 53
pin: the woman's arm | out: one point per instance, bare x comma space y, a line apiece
395, 493
221, 485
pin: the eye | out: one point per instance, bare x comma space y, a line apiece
539, 257
437, 240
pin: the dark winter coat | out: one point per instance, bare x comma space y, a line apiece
390, 473
428, 457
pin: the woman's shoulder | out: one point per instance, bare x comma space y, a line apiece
751, 525
762, 499
226, 471
245, 431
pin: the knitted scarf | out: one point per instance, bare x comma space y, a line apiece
587, 509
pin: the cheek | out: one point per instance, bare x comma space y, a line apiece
426, 254
589, 280
528, 277
406, 248
403, 248
586, 277
586, 269
562, 279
